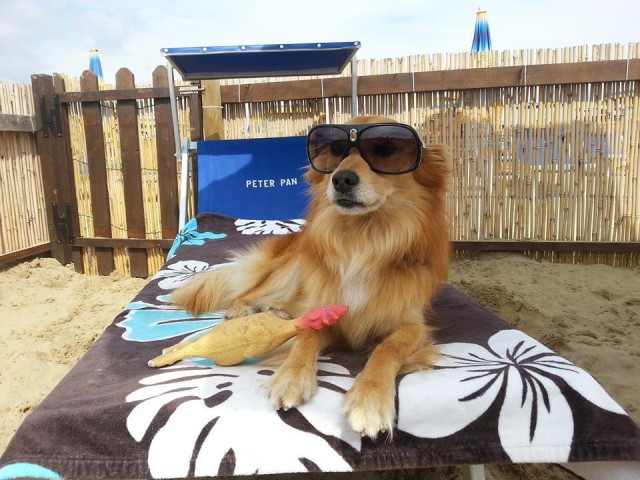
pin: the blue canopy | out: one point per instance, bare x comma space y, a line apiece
481, 35
247, 61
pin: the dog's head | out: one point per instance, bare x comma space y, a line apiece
354, 187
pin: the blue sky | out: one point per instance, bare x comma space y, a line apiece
39, 36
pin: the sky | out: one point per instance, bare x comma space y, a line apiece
40, 36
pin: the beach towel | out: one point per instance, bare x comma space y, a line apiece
496, 395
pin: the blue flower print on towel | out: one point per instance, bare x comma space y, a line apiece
146, 322
189, 235
27, 470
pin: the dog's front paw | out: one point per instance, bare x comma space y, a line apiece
239, 310
277, 311
290, 387
370, 407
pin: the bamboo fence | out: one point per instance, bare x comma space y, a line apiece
23, 220
554, 163
557, 162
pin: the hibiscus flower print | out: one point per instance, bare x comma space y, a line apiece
178, 273
269, 227
470, 378
220, 419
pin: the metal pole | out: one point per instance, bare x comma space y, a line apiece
174, 110
184, 184
354, 87
182, 207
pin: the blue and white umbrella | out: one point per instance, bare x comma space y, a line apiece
481, 35
94, 63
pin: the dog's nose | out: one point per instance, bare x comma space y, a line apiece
345, 180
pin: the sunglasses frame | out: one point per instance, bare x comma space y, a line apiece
354, 132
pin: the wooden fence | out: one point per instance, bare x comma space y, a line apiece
546, 157
109, 170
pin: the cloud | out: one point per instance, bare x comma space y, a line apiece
39, 36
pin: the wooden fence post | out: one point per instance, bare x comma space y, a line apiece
196, 116
167, 162
196, 120
96, 160
131, 177
57, 179
65, 168
212, 110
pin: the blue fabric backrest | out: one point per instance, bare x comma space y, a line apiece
258, 179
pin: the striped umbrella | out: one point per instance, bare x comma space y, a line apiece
94, 63
481, 35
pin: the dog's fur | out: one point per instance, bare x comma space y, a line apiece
385, 259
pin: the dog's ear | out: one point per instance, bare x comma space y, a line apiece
435, 170
312, 177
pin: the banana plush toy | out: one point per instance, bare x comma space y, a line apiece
233, 341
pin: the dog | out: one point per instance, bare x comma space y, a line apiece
376, 240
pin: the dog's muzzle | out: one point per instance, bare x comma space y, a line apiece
345, 183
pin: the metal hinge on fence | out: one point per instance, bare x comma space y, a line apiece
51, 118
64, 224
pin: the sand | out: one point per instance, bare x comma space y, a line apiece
50, 315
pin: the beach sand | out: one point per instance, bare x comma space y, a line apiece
50, 315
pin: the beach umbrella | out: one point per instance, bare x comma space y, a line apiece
481, 35
94, 63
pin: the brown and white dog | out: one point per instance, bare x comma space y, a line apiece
377, 243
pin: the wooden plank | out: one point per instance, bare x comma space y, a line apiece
42, 86
196, 116
17, 123
131, 176
197, 119
212, 110
42, 250
479, 245
131, 243
103, 95
64, 172
96, 159
468, 79
493, 77
167, 163
546, 246
381, 84
339, 87
583, 72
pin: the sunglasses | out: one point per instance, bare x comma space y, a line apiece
388, 148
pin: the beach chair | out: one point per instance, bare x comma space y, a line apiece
495, 396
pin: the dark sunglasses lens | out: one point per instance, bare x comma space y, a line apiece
326, 147
390, 148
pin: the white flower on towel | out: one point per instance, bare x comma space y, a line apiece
268, 227
199, 419
535, 420
176, 274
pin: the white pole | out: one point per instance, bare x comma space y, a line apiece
184, 184
181, 156
174, 109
